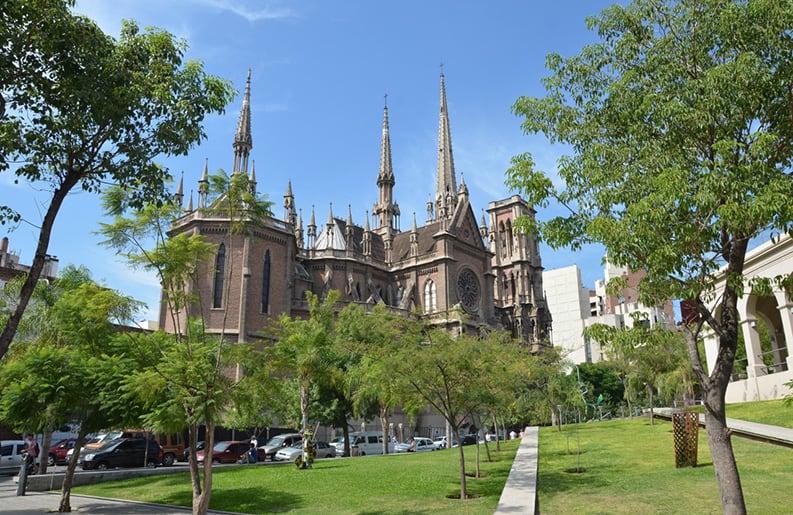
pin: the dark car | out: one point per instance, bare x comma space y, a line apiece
228, 451
57, 452
123, 452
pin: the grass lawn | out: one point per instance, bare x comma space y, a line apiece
401, 483
628, 466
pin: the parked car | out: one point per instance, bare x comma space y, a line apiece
122, 452
367, 443
186, 455
469, 439
338, 444
57, 453
268, 450
11, 455
418, 444
322, 449
227, 451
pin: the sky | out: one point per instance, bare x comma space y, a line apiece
320, 70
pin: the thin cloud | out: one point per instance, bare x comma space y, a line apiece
252, 14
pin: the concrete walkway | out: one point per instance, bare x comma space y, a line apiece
754, 430
520, 491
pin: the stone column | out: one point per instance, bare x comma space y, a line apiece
785, 307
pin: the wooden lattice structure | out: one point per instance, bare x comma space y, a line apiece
685, 428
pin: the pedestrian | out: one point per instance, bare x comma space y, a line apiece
253, 454
32, 450
254, 441
513, 435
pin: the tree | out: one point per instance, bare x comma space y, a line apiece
449, 374
82, 344
374, 339
80, 110
183, 377
303, 349
647, 352
680, 137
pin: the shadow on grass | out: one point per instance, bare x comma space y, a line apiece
556, 482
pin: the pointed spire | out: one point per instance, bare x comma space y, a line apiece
243, 142
312, 229
386, 211
203, 185
349, 215
179, 195
330, 214
483, 225
366, 226
289, 203
414, 238
447, 181
463, 187
190, 203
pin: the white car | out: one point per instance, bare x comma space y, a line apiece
11, 456
323, 450
418, 444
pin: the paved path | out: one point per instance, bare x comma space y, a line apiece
47, 502
764, 432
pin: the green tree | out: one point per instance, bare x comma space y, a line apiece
680, 145
374, 339
83, 345
80, 110
448, 374
647, 352
183, 378
304, 348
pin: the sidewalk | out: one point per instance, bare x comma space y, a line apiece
754, 430
47, 502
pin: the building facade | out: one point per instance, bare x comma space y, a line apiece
453, 271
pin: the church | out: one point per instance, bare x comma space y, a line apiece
452, 271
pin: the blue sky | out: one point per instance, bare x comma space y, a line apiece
320, 69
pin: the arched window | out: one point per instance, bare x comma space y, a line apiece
510, 242
503, 237
266, 283
512, 284
220, 265
430, 299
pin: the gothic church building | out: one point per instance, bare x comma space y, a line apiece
453, 271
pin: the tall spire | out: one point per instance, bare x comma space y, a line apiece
447, 181
386, 210
203, 185
243, 142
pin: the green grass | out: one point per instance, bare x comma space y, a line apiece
404, 483
623, 467
627, 466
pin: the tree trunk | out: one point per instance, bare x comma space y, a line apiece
384, 428
44, 454
720, 444
463, 486
192, 462
66, 490
650, 396
32, 278
201, 501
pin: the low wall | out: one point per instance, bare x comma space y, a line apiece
44, 482
760, 388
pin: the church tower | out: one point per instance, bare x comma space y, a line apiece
243, 141
446, 193
386, 211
